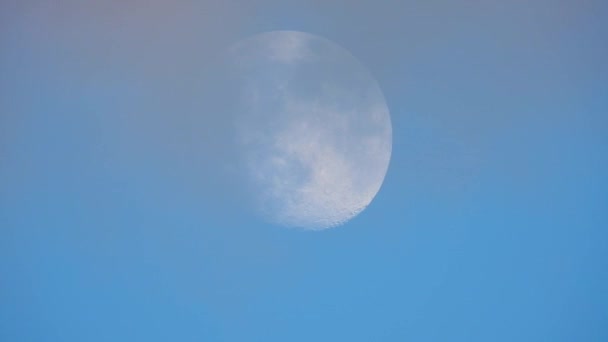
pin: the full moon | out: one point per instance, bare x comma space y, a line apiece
312, 128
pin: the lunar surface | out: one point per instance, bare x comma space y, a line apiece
312, 127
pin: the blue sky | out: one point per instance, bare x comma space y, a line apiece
118, 219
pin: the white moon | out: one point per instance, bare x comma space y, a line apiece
313, 128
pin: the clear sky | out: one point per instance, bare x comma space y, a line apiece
118, 219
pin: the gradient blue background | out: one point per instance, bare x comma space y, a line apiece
117, 221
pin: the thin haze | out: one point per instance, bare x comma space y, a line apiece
118, 214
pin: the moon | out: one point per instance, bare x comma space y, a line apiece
312, 128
